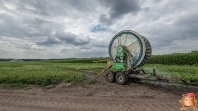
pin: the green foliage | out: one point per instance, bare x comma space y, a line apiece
185, 73
40, 73
46, 72
51, 79
75, 78
175, 59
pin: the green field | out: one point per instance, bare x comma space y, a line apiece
175, 59
43, 73
46, 72
186, 73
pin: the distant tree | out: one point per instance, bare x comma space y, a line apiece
194, 51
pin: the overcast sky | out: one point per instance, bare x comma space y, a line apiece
84, 28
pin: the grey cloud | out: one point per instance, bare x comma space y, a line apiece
167, 25
50, 41
29, 46
187, 25
146, 9
65, 50
81, 5
38, 27
97, 43
37, 47
54, 8
36, 22
182, 27
10, 27
3, 52
31, 52
81, 52
44, 8
97, 52
157, 42
71, 38
32, 18
156, 1
118, 9
40, 7
24, 46
104, 19
23, 27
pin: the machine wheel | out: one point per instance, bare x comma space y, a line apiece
110, 76
121, 78
136, 45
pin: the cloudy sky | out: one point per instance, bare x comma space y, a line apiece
84, 28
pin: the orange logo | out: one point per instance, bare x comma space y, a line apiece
188, 101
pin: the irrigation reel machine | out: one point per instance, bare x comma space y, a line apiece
128, 51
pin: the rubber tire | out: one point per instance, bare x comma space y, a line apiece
110, 76
124, 77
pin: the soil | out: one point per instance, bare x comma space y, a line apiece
90, 96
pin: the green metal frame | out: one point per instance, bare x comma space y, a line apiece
119, 65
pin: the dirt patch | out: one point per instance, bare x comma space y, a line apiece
98, 96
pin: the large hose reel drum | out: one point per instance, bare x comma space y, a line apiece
135, 44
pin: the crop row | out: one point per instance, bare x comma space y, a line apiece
175, 59
37, 73
167, 59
